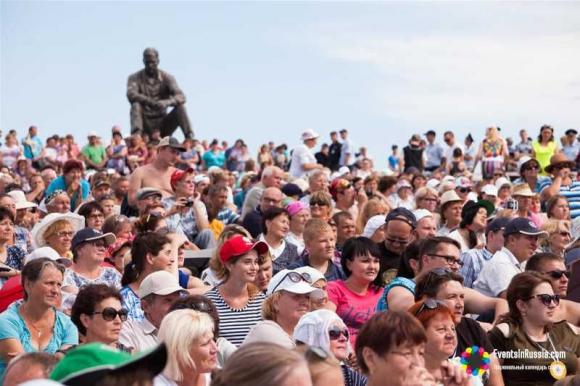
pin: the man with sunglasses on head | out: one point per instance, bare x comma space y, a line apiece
157, 291
399, 226
553, 266
520, 243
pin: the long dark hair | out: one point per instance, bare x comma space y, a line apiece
521, 287
148, 242
542, 129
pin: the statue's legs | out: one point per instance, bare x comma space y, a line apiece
177, 117
136, 115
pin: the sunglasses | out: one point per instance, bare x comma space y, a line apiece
464, 190
294, 277
534, 167
334, 333
397, 241
557, 274
318, 203
109, 314
449, 259
428, 304
547, 299
201, 306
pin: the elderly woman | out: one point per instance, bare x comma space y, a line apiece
426, 198
356, 297
450, 210
191, 348
325, 329
11, 256
56, 231
558, 236
321, 205
93, 214
530, 325
72, 182
98, 315
439, 324
35, 324
288, 300
276, 225
237, 299
299, 216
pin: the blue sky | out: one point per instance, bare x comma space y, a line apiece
268, 70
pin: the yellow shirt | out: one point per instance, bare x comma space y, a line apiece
543, 154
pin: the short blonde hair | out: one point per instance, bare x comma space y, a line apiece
372, 207
314, 227
179, 330
56, 227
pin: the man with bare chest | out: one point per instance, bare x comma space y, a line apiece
158, 173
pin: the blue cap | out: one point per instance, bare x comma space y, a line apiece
523, 226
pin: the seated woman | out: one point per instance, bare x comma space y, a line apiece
93, 214
191, 349
288, 300
531, 325
439, 324
276, 225
356, 297
559, 237
237, 299
35, 324
98, 315
471, 231
202, 304
11, 256
325, 329
57, 230
299, 216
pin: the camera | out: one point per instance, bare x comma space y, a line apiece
188, 203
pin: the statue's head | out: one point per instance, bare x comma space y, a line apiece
150, 59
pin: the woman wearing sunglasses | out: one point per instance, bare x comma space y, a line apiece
439, 324
356, 297
288, 300
326, 330
321, 205
558, 237
531, 326
98, 315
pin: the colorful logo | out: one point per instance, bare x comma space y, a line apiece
475, 361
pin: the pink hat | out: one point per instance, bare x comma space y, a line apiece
295, 207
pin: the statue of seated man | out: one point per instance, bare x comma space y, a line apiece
151, 92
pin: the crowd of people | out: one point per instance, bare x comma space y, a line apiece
456, 265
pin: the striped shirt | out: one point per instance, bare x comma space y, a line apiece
235, 324
571, 192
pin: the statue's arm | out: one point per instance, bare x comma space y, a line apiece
133, 93
177, 97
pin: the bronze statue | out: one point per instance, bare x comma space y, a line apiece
150, 92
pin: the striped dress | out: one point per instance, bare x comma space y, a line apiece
235, 324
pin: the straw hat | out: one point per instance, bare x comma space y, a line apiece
522, 190
449, 196
77, 222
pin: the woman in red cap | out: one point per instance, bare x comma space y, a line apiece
238, 300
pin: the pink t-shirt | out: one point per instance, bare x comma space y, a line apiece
353, 309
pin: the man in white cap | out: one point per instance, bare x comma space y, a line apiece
426, 224
157, 291
94, 153
303, 159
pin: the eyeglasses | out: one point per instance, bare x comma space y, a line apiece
397, 241
448, 259
65, 233
294, 277
429, 199
557, 274
564, 233
547, 299
428, 304
334, 333
109, 314
97, 215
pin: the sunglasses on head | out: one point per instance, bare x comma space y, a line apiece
294, 277
318, 203
428, 304
335, 332
109, 314
547, 299
557, 274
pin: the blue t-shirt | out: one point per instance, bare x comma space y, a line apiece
212, 159
409, 284
32, 147
60, 184
12, 326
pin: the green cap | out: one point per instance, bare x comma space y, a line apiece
88, 363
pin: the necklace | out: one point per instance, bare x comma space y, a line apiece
557, 368
39, 331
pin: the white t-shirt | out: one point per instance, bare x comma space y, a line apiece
300, 156
497, 273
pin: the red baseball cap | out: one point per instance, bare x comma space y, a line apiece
240, 245
177, 175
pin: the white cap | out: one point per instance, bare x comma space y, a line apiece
433, 183
309, 134
421, 214
490, 190
201, 178
39, 253
314, 274
501, 182
343, 170
282, 282
20, 200
159, 283
373, 224
403, 184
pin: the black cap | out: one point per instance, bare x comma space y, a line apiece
89, 234
402, 214
571, 131
431, 132
497, 224
291, 190
524, 226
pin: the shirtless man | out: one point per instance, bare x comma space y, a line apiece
158, 173
553, 266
